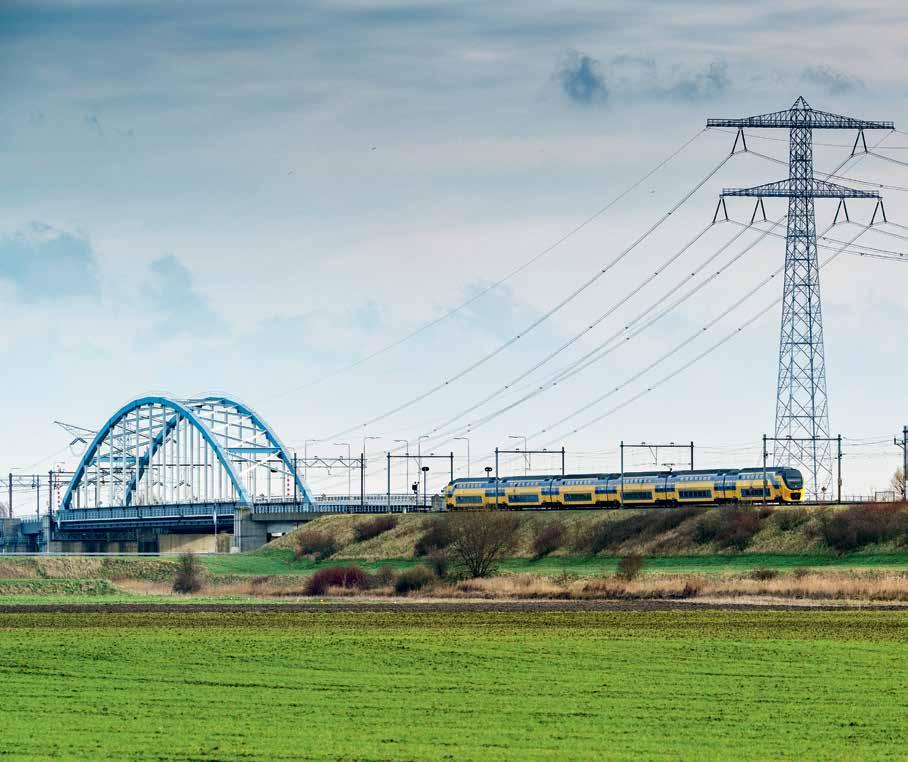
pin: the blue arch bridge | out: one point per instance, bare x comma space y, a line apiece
205, 473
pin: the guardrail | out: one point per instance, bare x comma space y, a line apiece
227, 510
374, 503
379, 498
146, 512
323, 508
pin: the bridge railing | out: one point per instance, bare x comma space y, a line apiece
343, 507
379, 497
372, 503
30, 523
146, 512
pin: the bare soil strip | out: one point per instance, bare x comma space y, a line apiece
440, 607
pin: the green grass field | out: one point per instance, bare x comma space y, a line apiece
455, 686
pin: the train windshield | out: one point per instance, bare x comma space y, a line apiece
793, 478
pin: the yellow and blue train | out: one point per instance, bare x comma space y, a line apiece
639, 489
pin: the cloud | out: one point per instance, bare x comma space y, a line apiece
44, 263
831, 81
581, 79
92, 121
179, 307
367, 317
626, 77
707, 83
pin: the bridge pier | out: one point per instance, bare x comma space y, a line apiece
247, 533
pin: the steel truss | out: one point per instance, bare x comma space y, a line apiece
161, 451
802, 438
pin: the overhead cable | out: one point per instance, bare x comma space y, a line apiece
683, 367
541, 319
502, 280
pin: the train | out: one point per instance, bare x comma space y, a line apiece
637, 489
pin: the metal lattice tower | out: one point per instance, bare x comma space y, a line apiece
802, 408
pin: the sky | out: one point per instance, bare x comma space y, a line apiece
249, 198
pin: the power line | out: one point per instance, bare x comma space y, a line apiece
561, 375
469, 427
577, 336
492, 286
603, 348
844, 178
685, 366
860, 250
877, 228
538, 321
888, 158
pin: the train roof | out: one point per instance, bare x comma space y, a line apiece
687, 472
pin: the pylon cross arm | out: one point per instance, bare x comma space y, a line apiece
802, 115
812, 188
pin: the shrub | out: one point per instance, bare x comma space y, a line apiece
439, 562
763, 574
413, 579
728, 527
790, 518
190, 574
319, 545
384, 576
851, 528
374, 527
350, 577
565, 578
630, 566
585, 536
690, 590
610, 535
481, 540
548, 539
436, 536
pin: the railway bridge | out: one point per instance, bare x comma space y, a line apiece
205, 473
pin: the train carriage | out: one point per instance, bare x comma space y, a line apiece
638, 489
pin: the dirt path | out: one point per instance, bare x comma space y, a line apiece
448, 606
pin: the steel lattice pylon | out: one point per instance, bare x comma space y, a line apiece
802, 409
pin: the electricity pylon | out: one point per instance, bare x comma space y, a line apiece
802, 410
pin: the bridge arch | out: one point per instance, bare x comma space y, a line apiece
158, 450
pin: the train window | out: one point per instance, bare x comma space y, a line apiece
531, 498
577, 497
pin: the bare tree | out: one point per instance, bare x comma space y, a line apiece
190, 574
481, 540
897, 484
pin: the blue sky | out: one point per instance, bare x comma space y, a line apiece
219, 196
